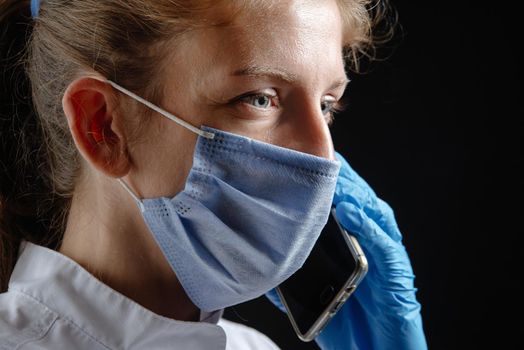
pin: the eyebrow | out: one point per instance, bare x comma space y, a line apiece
279, 74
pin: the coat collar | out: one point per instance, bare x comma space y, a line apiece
72, 293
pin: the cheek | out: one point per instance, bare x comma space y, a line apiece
175, 158
164, 159
255, 129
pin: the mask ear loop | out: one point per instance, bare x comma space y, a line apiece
135, 197
206, 134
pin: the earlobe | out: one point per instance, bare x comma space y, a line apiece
89, 106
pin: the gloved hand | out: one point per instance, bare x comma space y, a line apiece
383, 312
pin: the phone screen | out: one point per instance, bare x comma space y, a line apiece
329, 266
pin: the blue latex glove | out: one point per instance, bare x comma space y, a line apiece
383, 312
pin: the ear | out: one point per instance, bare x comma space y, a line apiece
90, 108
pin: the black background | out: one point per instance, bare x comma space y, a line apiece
435, 130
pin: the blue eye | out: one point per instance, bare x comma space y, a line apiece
262, 101
332, 106
327, 106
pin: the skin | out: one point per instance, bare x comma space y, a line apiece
271, 75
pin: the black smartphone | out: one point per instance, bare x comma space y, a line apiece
314, 294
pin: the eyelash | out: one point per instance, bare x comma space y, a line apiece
335, 108
254, 97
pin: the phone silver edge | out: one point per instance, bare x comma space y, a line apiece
341, 297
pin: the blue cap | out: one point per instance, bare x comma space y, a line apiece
35, 8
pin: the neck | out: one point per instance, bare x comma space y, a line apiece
107, 236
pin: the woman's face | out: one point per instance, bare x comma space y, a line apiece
272, 75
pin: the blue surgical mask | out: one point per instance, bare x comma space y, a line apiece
247, 219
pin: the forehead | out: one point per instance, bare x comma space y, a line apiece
297, 25
303, 38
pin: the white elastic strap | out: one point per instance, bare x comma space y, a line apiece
128, 189
206, 134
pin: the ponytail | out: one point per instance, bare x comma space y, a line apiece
26, 200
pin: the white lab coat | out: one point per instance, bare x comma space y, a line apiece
53, 303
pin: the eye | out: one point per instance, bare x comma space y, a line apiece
331, 106
327, 106
259, 100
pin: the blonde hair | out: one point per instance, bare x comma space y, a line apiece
123, 41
